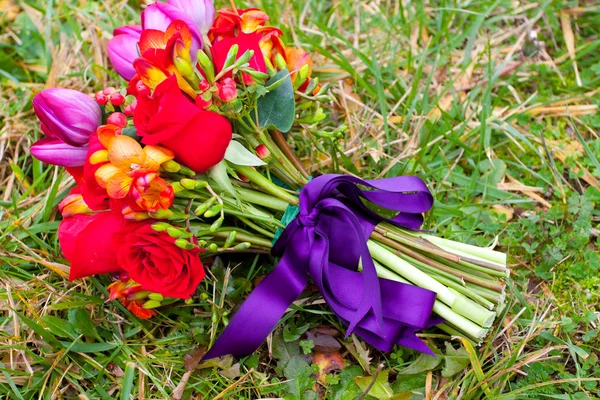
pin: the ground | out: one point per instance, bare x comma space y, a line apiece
493, 103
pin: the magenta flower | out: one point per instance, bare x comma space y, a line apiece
160, 15
201, 12
57, 152
123, 49
68, 118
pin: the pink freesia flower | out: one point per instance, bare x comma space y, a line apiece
68, 118
122, 49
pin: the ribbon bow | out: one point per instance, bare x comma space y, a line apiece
327, 241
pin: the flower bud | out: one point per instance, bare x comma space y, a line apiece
230, 239
204, 85
188, 184
217, 224
242, 246
262, 152
109, 90
174, 232
280, 62
227, 90
118, 119
213, 247
206, 65
151, 304
160, 226
116, 99
231, 56
214, 210
201, 209
204, 101
130, 108
101, 98
171, 166
156, 296
184, 244
162, 214
73, 204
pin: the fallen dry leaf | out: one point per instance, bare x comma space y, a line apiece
323, 340
327, 362
192, 359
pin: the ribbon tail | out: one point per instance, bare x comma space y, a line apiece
262, 310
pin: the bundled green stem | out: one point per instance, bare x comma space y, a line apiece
469, 281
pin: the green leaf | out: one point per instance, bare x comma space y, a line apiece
492, 171
278, 107
238, 154
82, 322
284, 351
218, 173
347, 388
300, 382
381, 389
409, 383
37, 328
131, 132
59, 327
424, 362
456, 360
89, 347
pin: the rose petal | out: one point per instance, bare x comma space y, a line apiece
93, 251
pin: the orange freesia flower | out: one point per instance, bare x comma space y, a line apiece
230, 23
296, 59
133, 171
119, 289
139, 311
73, 204
162, 52
128, 293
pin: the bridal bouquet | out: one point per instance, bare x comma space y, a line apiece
190, 160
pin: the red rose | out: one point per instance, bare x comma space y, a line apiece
198, 137
153, 260
105, 242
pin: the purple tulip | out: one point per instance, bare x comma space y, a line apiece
123, 49
57, 152
160, 15
202, 12
68, 119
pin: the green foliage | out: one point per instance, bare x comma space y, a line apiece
277, 107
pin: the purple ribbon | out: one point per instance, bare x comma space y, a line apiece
326, 241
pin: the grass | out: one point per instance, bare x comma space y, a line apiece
493, 103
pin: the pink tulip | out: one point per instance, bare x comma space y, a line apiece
57, 152
68, 115
160, 15
122, 49
68, 118
202, 12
